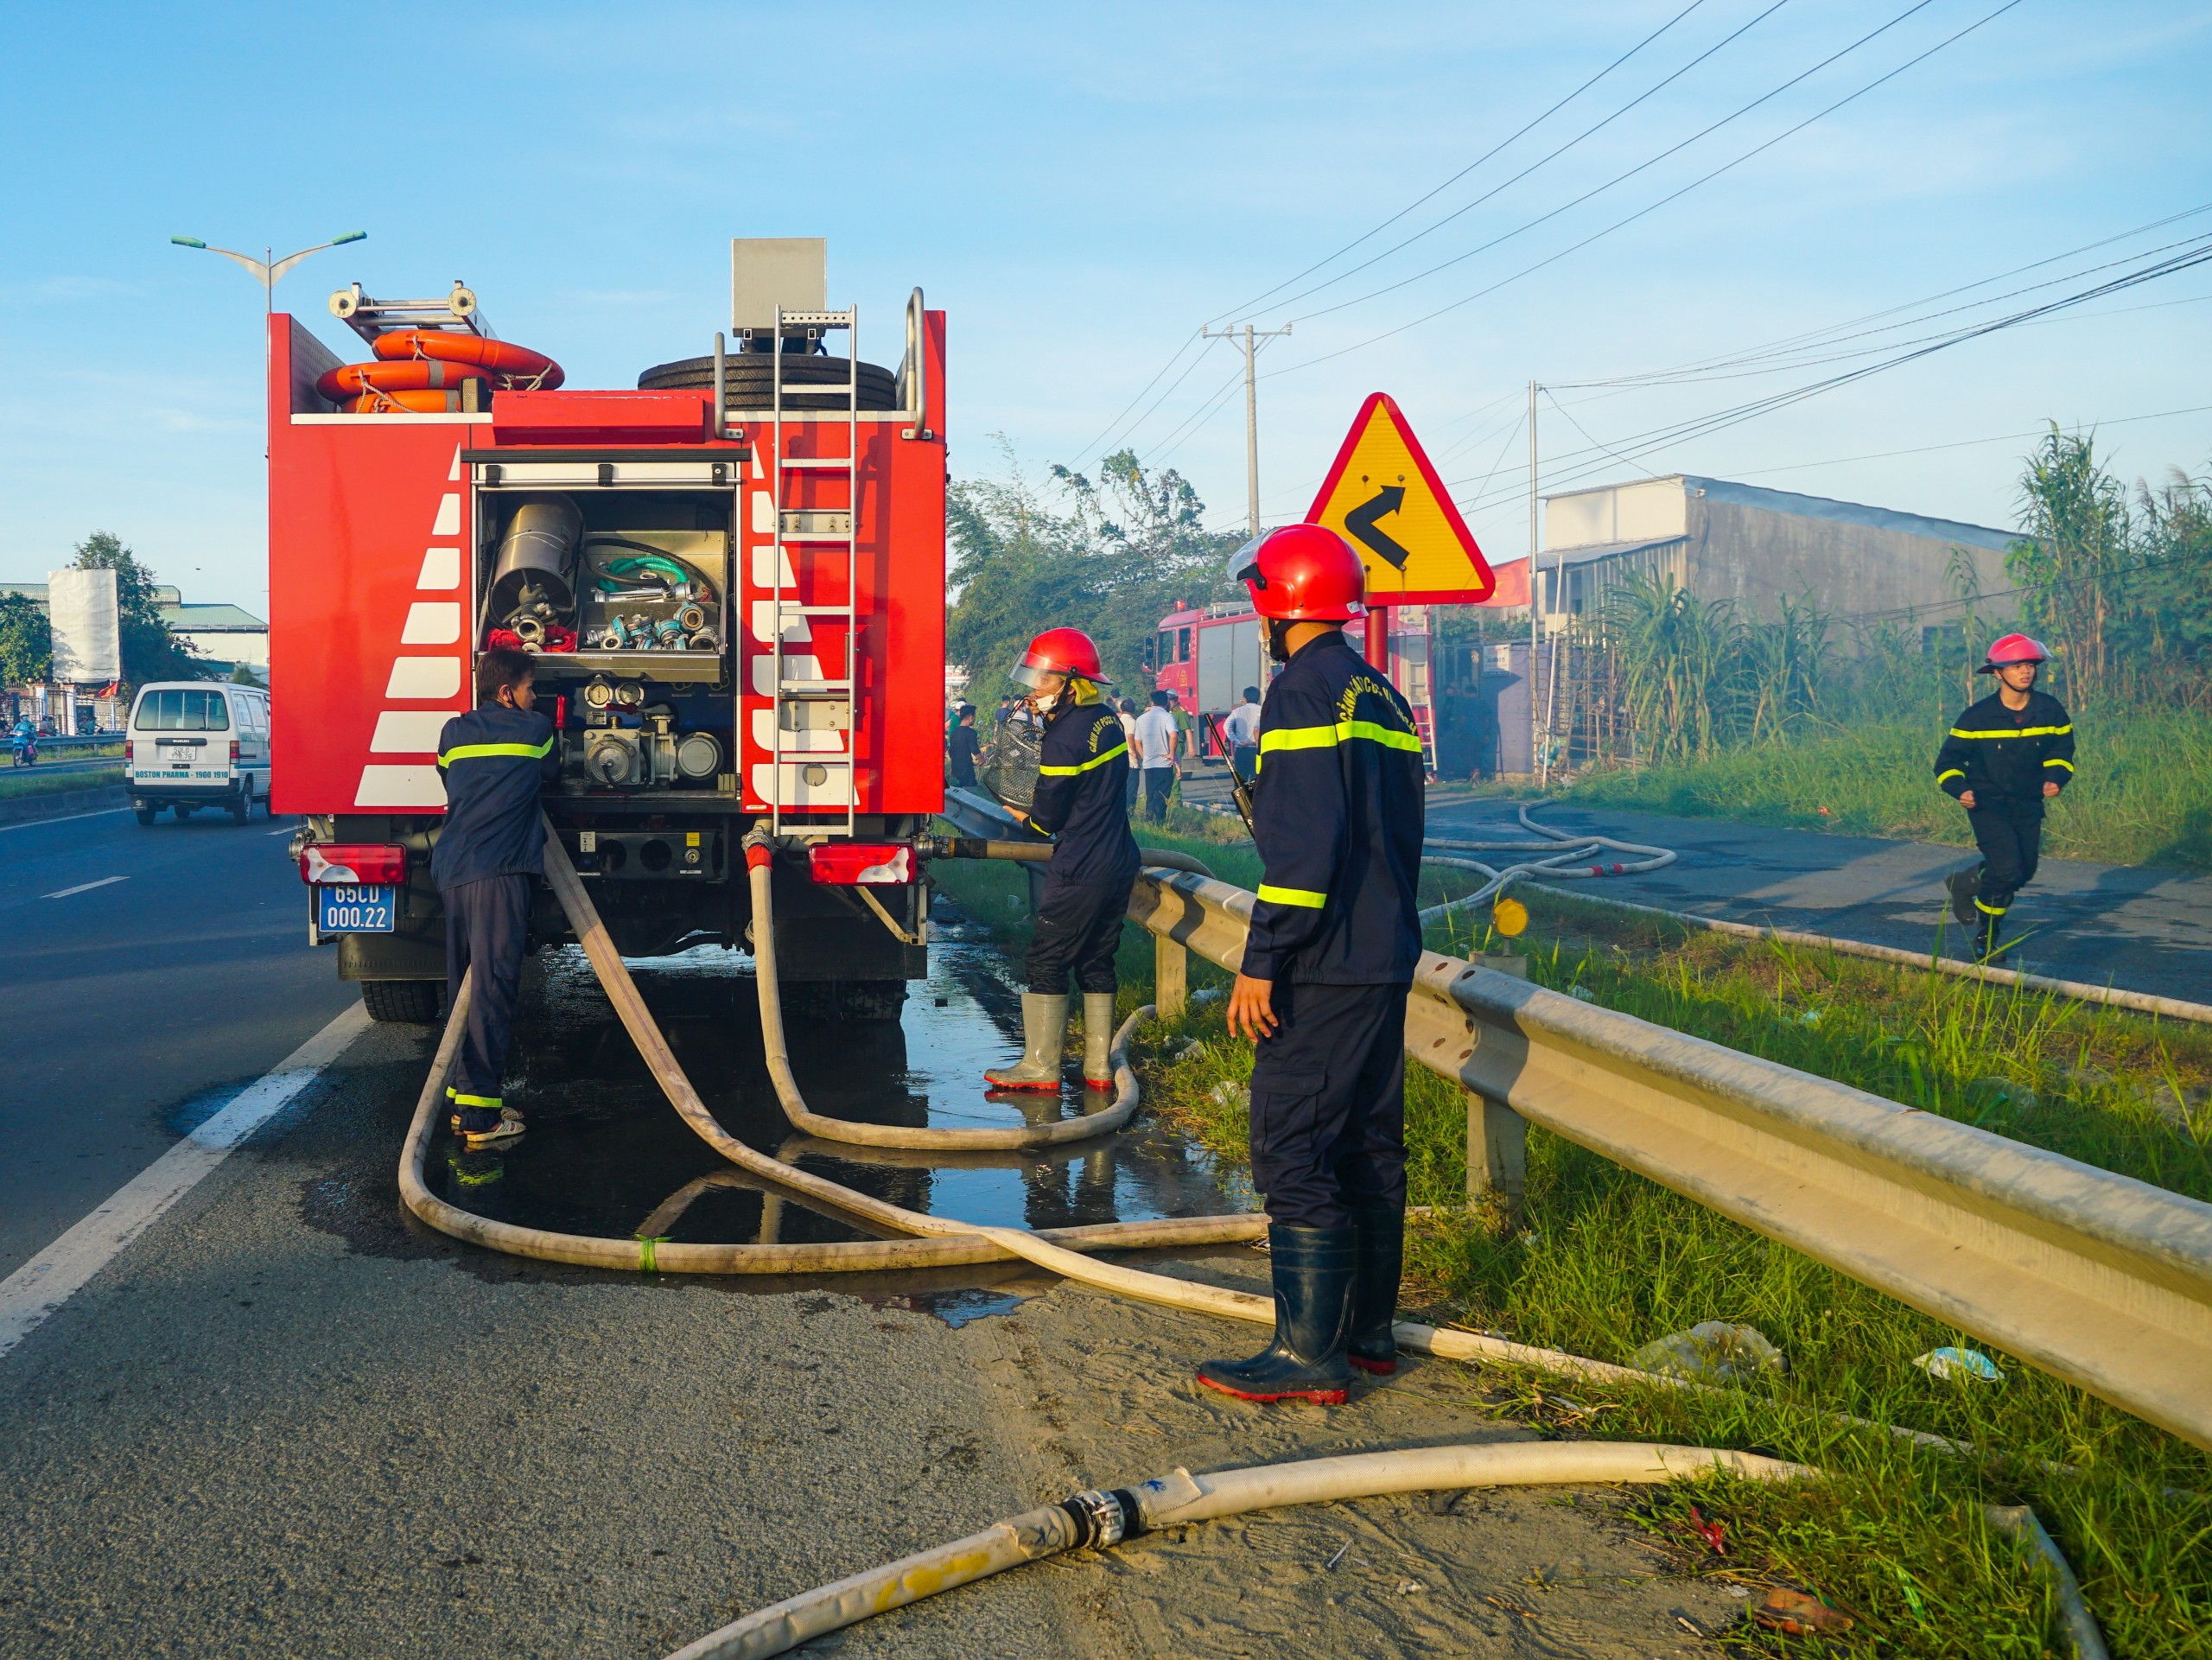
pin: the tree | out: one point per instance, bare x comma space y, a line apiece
2073, 559
26, 641
151, 650
1132, 549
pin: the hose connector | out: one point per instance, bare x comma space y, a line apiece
759, 848
1103, 1520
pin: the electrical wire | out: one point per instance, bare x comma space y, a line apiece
1663, 203
1239, 310
1619, 178
1701, 426
1543, 160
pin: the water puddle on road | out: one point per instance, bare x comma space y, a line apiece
606, 1155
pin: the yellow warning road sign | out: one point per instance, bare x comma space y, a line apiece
1383, 496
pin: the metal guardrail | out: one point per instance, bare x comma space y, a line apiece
2100, 1279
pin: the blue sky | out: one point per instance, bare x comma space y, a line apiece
1081, 188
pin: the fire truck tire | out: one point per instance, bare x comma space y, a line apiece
403, 1002
748, 382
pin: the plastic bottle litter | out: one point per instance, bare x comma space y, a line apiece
1231, 1093
1947, 1363
1711, 1352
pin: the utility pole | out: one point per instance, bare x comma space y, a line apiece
1251, 412
1535, 725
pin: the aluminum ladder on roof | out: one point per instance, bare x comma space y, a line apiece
806, 706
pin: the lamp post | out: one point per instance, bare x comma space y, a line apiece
268, 269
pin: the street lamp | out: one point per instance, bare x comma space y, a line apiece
268, 269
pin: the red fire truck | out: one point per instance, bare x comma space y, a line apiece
733, 576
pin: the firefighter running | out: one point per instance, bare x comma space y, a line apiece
1079, 802
1335, 938
2004, 758
485, 863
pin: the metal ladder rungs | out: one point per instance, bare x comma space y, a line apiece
816, 691
814, 537
793, 608
817, 461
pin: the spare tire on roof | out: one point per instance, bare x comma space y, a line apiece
748, 381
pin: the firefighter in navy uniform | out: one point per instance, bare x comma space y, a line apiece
2002, 759
490, 853
1082, 764
1334, 940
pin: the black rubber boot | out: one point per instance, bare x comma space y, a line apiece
1312, 1277
1382, 1263
1991, 927
1964, 885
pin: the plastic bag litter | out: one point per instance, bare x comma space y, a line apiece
1947, 1363
1580, 996
1711, 1352
1231, 1093
1007, 767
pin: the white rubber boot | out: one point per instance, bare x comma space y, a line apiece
1044, 1038
1098, 1040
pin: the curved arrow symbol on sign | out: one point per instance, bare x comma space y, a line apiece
1360, 521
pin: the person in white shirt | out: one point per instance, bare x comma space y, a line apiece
1244, 724
1155, 745
1128, 711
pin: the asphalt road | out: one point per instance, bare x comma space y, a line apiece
2142, 928
148, 974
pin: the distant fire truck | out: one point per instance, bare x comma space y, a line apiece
1208, 655
732, 576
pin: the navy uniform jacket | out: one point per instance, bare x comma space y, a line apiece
492, 760
1337, 816
2004, 754
1081, 776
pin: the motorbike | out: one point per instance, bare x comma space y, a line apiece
24, 749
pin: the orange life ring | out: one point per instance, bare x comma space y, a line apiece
416, 402
414, 376
513, 364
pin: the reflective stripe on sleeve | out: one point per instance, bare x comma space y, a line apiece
1942, 778
1327, 737
1305, 898
2017, 732
1083, 767
486, 751
2054, 761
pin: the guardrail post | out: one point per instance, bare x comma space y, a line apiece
1171, 977
1497, 1152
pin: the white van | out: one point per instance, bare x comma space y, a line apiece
198, 743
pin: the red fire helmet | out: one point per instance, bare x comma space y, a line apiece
1059, 651
1301, 573
2013, 648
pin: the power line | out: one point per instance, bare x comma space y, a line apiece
1540, 161
1193, 336
1470, 168
1663, 201
1652, 162
1701, 426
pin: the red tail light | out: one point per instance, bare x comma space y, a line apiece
130, 752
854, 864
234, 751
353, 862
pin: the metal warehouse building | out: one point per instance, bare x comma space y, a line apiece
1724, 541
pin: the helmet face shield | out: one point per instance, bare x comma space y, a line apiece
1028, 677
1245, 563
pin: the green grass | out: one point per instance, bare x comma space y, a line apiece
2143, 794
1603, 1260
36, 780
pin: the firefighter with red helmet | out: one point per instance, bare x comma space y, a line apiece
2002, 759
1082, 762
1334, 940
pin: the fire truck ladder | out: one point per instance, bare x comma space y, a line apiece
806, 706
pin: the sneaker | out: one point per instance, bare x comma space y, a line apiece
459, 1113
509, 1127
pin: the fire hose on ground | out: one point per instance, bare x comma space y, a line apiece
931, 1241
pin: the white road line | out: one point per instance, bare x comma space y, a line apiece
83, 887
61, 818
51, 1278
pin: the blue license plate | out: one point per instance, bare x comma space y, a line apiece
346, 908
